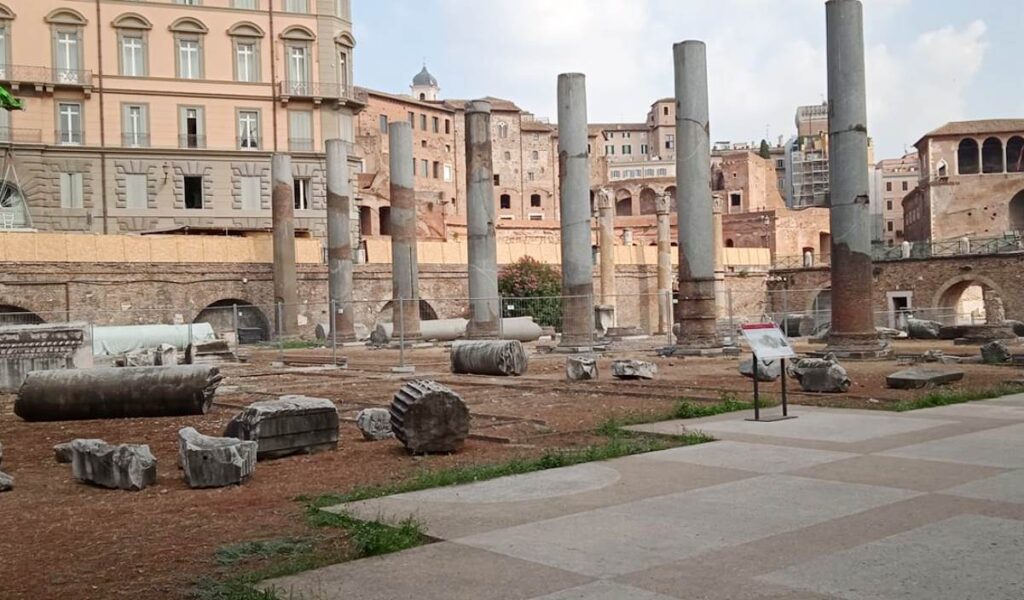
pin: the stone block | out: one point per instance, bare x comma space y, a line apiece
62, 452
821, 375
375, 424
912, 379
767, 370
125, 466
6, 482
580, 368
920, 329
210, 462
428, 417
27, 348
486, 357
289, 425
994, 353
634, 369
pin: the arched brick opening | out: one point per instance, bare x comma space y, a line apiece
16, 315
648, 202
427, 312
1017, 212
623, 203
960, 300
967, 157
252, 324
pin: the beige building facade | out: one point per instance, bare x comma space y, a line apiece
894, 179
971, 182
148, 116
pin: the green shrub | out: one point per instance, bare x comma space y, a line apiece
531, 289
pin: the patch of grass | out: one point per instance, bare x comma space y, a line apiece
947, 396
299, 344
371, 538
229, 555
728, 402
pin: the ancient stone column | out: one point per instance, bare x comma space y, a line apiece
663, 208
339, 241
404, 267
574, 200
484, 305
282, 202
696, 311
853, 328
717, 207
606, 244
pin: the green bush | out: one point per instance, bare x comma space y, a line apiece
532, 289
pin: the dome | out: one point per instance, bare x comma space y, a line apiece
424, 78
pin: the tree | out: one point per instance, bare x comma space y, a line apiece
766, 150
529, 287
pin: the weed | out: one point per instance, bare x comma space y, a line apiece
229, 555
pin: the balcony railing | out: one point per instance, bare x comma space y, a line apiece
69, 137
135, 140
32, 75
191, 140
300, 144
320, 90
1007, 244
15, 134
248, 143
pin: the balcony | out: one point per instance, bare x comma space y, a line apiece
45, 79
318, 92
20, 135
135, 140
69, 137
191, 140
248, 143
300, 144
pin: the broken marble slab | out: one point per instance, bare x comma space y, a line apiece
919, 377
633, 369
124, 466
289, 425
580, 368
375, 424
210, 462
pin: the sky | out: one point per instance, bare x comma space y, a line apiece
928, 61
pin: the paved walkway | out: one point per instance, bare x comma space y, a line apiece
835, 504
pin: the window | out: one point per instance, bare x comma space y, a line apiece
423, 122
967, 157
133, 55
295, 6
536, 217
780, 164
248, 129
497, 179
246, 61
193, 190
424, 167
535, 200
4, 50
447, 126
67, 55
343, 68
447, 172
502, 129
627, 135
535, 155
735, 200
382, 123
412, 119
627, 149
992, 156
906, 186
435, 124
189, 59
888, 186
1015, 155
665, 109
889, 226
670, 141
529, 176
134, 125
298, 69
506, 202
888, 205
616, 174
136, 191
609, 150
663, 172
191, 127
187, 2
436, 171
246, 4
251, 192
300, 187
507, 155
300, 130
69, 123
644, 148
71, 191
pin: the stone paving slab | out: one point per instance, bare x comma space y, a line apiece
904, 473
442, 571
999, 447
1008, 487
604, 590
448, 513
593, 543
977, 410
965, 557
760, 458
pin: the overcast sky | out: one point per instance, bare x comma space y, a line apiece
929, 61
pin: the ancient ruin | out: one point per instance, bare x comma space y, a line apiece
428, 417
291, 424
503, 357
26, 348
210, 462
484, 309
120, 467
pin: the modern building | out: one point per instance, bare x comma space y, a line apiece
892, 181
971, 182
158, 116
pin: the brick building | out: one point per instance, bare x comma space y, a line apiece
971, 181
893, 179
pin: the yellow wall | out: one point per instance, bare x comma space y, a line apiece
84, 247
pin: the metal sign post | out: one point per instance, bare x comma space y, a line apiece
767, 342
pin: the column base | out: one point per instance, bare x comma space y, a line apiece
857, 346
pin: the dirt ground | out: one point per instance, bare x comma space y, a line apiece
63, 539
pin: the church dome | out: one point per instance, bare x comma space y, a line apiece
424, 78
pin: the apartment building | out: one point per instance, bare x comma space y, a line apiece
893, 180
162, 115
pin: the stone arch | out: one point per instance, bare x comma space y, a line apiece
345, 39
65, 16
253, 325
949, 295
427, 312
298, 32
967, 157
11, 314
132, 20
188, 25
1017, 212
673, 202
992, 155
648, 201
1015, 155
6, 13
623, 203
13, 207
246, 29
